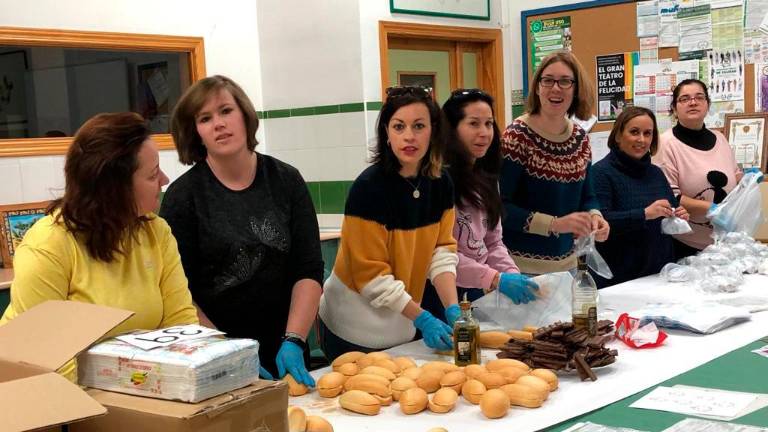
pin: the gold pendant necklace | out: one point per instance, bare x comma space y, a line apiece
416, 193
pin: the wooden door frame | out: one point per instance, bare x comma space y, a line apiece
491, 53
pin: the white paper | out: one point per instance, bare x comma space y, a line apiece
594, 427
649, 50
168, 336
599, 143
726, 75
699, 425
669, 27
762, 351
647, 18
695, 401
754, 12
695, 30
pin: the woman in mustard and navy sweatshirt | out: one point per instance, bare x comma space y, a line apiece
396, 234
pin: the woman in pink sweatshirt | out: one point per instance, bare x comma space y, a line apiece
474, 159
698, 162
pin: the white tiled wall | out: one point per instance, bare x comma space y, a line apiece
322, 147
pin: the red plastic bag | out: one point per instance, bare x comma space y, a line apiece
626, 326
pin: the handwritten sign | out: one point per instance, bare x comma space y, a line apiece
168, 336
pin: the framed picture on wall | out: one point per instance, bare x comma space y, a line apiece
423, 79
746, 134
13, 97
152, 95
15, 220
469, 9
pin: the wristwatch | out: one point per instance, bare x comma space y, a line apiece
297, 339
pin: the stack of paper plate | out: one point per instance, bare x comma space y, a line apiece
188, 371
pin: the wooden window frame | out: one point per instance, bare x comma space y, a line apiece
491, 53
25, 37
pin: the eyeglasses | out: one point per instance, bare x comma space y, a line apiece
417, 91
563, 83
685, 99
459, 93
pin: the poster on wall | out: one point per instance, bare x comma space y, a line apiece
761, 87
614, 84
549, 35
726, 75
653, 85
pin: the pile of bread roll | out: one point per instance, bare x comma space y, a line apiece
366, 382
299, 421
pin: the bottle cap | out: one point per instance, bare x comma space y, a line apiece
465, 304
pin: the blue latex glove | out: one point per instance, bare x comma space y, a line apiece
264, 374
290, 359
519, 288
437, 334
452, 313
756, 170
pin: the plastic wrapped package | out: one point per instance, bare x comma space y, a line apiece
672, 272
586, 246
674, 225
719, 279
553, 303
740, 211
189, 371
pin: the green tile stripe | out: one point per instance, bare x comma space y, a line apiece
320, 110
329, 197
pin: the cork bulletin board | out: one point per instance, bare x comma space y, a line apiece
604, 27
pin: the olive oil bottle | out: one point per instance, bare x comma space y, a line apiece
584, 291
466, 336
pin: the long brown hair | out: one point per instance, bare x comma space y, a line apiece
98, 205
476, 183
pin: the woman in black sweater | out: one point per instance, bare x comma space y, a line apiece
246, 228
634, 196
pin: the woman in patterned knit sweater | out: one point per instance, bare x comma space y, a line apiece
545, 181
634, 196
698, 163
396, 234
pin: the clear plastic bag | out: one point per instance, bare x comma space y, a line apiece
741, 210
553, 303
586, 246
675, 225
672, 272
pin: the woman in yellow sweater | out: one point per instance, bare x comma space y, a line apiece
101, 243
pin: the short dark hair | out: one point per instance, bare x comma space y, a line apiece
475, 183
189, 145
679, 88
432, 163
583, 93
621, 123
98, 203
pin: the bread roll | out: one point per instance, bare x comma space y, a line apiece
318, 424
494, 404
547, 375
360, 402
473, 390
297, 419
493, 339
413, 400
349, 357
524, 396
295, 388
535, 382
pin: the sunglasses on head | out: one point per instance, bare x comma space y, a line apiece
460, 93
417, 91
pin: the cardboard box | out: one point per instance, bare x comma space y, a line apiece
260, 407
762, 231
32, 347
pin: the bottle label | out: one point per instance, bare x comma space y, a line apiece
463, 338
592, 321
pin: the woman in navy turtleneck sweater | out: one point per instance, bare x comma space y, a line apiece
634, 196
